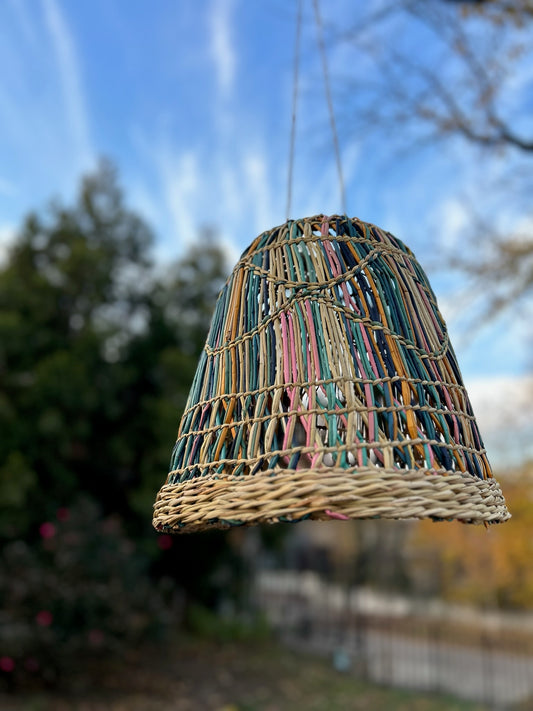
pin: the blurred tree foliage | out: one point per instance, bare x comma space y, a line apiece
80, 591
97, 352
73, 285
484, 567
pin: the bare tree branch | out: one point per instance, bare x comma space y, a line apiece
434, 70
466, 102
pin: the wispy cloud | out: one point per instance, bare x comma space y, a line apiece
503, 406
453, 220
67, 61
180, 179
221, 44
185, 188
257, 178
7, 236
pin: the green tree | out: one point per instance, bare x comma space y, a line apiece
162, 361
98, 349
97, 353
70, 294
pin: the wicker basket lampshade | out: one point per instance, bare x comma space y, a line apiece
327, 388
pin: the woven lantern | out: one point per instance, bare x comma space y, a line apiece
327, 389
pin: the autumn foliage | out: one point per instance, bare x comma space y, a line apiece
477, 565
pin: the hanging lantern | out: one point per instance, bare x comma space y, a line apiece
327, 389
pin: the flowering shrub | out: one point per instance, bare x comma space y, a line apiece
81, 590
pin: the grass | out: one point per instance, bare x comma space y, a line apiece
232, 676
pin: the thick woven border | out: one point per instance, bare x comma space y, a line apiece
325, 494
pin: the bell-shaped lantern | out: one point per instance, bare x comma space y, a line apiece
327, 389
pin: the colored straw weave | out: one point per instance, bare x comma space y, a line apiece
327, 388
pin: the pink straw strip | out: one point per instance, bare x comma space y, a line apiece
332, 259
285, 343
339, 516
370, 352
312, 338
293, 350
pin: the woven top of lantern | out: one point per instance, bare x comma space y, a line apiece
327, 388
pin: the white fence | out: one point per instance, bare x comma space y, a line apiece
400, 641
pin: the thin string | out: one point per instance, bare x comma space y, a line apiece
327, 89
295, 83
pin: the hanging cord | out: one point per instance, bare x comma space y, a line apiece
327, 89
295, 83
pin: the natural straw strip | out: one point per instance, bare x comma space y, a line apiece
293, 496
316, 383
327, 356
348, 313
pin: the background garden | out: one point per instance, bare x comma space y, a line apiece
99, 340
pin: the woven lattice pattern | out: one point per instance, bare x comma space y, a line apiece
327, 388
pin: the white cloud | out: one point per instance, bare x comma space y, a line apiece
143, 203
524, 228
350, 167
188, 198
181, 190
179, 177
231, 252
45, 141
503, 406
66, 57
256, 174
221, 44
7, 236
184, 188
503, 399
453, 218
168, 192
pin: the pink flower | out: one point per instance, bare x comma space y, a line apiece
6, 664
63, 514
47, 530
44, 618
165, 542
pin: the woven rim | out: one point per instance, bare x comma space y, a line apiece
325, 494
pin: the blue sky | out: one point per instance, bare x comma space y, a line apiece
191, 99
